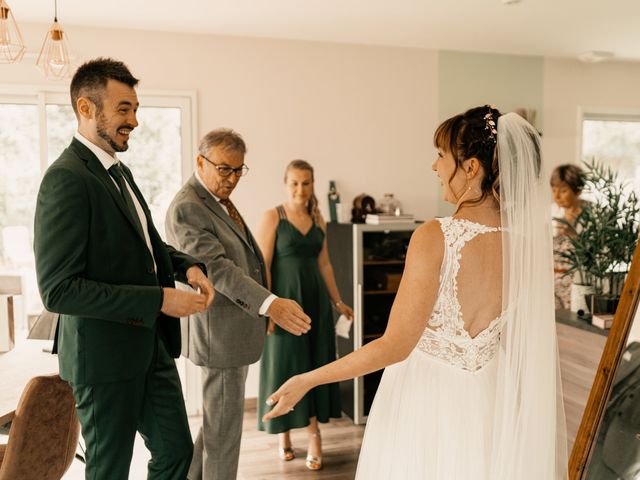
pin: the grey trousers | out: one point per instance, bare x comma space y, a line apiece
217, 447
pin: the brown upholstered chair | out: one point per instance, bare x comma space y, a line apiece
44, 432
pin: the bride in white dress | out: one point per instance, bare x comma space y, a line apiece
472, 387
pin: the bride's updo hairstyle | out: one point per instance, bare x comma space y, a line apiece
472, 134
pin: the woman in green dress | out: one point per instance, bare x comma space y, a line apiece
293, 241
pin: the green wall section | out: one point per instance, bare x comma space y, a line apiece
467, 80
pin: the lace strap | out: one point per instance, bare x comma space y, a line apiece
458, 231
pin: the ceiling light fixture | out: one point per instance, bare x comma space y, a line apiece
54, 59
595, 56
11, 43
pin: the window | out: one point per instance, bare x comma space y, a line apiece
615, 141
20, 163
37, 126
19, 159
154, 158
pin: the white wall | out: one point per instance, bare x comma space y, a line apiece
571, 87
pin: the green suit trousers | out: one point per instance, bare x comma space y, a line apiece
151, 403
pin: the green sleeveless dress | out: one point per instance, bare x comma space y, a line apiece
295, 275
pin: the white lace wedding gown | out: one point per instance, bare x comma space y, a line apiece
433, 413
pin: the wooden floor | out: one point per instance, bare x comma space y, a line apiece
341, 441
580, 353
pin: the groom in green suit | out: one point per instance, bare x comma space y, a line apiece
102, 265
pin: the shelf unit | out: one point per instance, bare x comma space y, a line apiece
365, 259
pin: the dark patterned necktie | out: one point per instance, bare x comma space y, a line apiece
118, 175
234, 214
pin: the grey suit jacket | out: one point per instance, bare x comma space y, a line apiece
231, 332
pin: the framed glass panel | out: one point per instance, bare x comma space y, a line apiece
20, 161
154, 158
614, 142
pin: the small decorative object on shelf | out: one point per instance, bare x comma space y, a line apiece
343, 213
389, 205
363, 204
602, 320
380, 218
334, 199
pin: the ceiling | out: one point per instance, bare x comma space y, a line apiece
562, 28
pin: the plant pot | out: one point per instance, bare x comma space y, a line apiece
579, 297
603, 303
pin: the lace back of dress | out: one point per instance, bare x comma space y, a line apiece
445, 336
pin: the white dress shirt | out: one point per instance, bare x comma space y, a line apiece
107, 161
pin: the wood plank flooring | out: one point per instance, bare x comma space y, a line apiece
341, 441
580, 353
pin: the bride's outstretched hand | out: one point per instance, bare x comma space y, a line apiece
287, 396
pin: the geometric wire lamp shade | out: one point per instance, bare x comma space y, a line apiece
11, 43
54, 60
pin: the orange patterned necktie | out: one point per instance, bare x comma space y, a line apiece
234, 214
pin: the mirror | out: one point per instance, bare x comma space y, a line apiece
607, 444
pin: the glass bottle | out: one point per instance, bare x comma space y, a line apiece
334, 200
389, 205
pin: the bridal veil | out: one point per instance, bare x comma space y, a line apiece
529, 434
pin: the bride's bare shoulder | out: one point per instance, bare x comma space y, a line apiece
429, 231
427, 243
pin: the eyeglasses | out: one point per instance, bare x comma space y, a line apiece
225, 170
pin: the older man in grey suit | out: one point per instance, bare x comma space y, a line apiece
229, 336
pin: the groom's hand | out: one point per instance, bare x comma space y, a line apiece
178, 303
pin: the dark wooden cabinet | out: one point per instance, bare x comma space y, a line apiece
368, 261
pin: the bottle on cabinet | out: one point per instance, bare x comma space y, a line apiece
334, 200
389, 205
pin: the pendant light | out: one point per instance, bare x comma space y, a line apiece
11, 43
54, 59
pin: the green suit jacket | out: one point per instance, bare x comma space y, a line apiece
94, 268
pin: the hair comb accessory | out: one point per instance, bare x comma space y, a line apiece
490, 124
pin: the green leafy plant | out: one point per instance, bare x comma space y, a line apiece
605, 233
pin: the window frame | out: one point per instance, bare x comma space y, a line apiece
186, 101
601, 114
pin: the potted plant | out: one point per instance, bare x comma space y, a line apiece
604, 235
